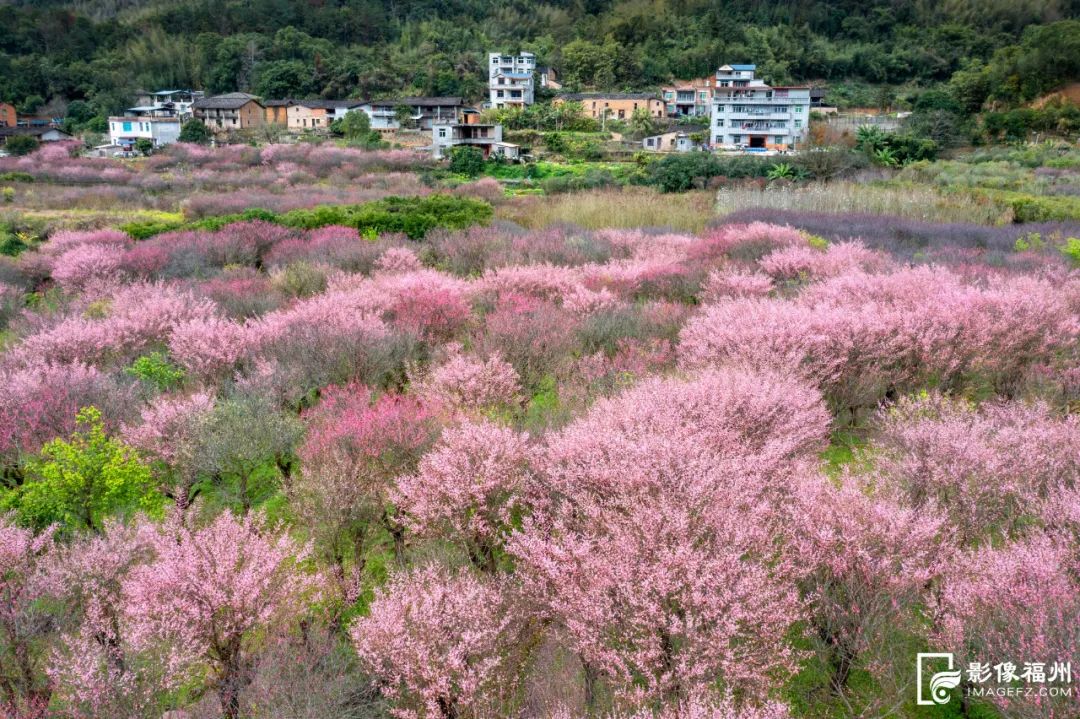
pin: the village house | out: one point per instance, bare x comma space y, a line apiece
483, 136
424, 112
615, 105
689, 98
38, 121
230, 112
307, 116
318, 115
165, 103
680, 140
8, 116
548, 78
510, 79
41, 133
748, 114
125, 131
277, 111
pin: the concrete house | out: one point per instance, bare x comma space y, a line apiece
8, 117
689, 98
510, 79
230, 112
483, 136
673, 141
125, 131
547, 77
615, 105
165, 103
747, 114
425, 112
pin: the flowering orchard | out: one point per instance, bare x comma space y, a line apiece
259, 471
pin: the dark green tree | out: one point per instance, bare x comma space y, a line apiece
19, 145
468, 161
195, 131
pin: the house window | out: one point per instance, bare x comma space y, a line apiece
719, 108
798, 123
442, 132
622, 114
800, 108
127, 127
703, 96
498, 93
667, 95
720, 122
779, 139
719, 140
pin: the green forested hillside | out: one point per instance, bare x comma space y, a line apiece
100, 50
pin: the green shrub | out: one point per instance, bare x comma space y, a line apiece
142, 229
19, 145
300, 279
155, 369
468, 161
81, 482
16, 177
1032, 208
686, 171
8, 193
216, 223
1071, 249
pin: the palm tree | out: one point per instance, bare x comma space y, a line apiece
782, 171
869, 138
886, 157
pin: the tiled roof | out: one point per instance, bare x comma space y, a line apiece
230, 101
328, 104
31, 131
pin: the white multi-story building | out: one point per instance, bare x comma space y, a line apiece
748, 114
125, 131
510, 79
166, 103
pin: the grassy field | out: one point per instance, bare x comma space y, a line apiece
612, 207
908, 201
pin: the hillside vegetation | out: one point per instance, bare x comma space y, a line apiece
99, 51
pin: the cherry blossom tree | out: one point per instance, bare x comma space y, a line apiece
95, 670
26, 582
356, 445
468, 489
1021, 604
442, 644
209, 596
654, 536
869, 566
987, 469
471, 384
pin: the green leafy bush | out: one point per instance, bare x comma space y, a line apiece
681, 172
81, 482
155, 369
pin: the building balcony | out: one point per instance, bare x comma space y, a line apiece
734, 115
